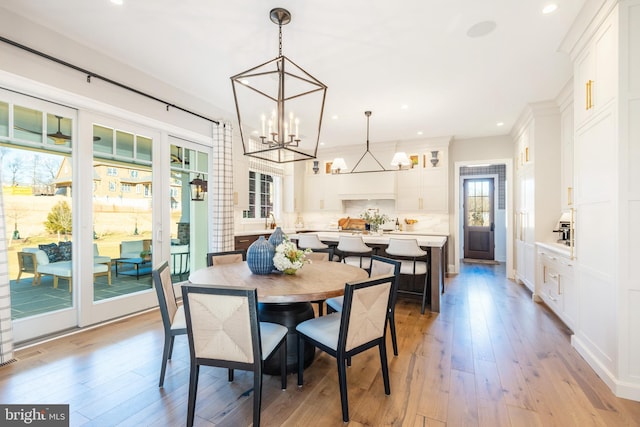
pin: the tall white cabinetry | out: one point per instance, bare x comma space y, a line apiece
536, 191
606, 55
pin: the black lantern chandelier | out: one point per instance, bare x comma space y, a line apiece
279, 106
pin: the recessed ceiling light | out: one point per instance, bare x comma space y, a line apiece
500, 124
550, 8
404, 106
118, 2
322, 143
419, 132
481, 29
334, 117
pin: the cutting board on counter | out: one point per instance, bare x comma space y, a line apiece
351, 223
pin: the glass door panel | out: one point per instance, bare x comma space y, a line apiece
189, 218
122, 213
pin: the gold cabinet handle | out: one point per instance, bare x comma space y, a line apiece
569, 196
589, 93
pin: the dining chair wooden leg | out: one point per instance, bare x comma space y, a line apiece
193, 388
166, 355
385, 367
230, 375
394, 338
300, 360
257, 395
342, 380
283, 364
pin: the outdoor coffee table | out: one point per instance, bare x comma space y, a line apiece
140, 266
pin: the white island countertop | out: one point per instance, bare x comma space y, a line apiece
383, 239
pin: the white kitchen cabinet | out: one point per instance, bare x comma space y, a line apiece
321, 193
536, 190
566, 151
555, 283
423, 188
595, 72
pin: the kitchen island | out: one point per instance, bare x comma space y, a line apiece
436, 246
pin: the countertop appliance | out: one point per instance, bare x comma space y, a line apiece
564, 228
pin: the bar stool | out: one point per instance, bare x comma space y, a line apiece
313, 242
409, 252
354, 251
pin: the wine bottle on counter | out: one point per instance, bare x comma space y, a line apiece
397, 225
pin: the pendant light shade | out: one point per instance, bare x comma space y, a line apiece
400, 160
338, 165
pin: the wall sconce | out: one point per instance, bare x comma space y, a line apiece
338, 165
316, 168
434, 158
198, 189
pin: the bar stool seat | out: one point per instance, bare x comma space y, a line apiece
355, 252
414, 262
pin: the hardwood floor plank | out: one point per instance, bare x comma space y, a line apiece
491, 357
463, 403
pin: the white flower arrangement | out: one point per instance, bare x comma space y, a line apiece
288, 257
374, 219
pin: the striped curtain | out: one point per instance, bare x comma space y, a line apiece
221, 189
6, 328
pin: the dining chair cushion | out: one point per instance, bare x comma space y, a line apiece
270, 336
323, 329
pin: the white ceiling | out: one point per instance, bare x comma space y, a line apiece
372, 54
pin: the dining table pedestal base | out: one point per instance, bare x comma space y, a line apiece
289, 315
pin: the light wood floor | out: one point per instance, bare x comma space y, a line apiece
492, 357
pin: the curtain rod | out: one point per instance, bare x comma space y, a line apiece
91, 74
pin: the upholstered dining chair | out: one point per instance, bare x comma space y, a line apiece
227, 257
414, 262
224, 331
354, 251
360, 326
380, 266
172, 314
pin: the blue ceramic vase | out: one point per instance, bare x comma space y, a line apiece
276, 237
260, 256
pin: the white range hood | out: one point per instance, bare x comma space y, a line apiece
367, 185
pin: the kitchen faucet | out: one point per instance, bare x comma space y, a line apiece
271, 224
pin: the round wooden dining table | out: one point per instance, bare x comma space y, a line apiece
285, 299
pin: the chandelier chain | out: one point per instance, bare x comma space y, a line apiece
280, 39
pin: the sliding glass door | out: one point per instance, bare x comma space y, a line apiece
37, 140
